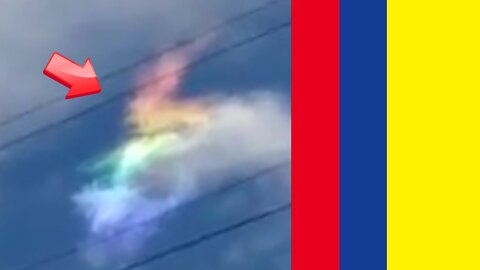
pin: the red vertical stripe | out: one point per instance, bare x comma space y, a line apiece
315, 109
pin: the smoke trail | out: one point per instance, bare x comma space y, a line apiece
176, 149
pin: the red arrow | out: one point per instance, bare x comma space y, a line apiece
82, 81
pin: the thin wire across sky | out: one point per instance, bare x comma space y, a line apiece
207, 237
75, 250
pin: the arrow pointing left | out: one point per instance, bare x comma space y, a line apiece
81, 80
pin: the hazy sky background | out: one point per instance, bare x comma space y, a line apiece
38, 177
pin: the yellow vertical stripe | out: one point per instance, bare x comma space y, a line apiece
433, 134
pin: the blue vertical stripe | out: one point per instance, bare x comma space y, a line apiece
362, 135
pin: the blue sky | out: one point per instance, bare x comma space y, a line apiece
38, 178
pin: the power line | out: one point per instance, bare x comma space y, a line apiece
182, 43
129, 91
206, 237
72, 251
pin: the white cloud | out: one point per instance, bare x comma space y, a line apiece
244, 134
